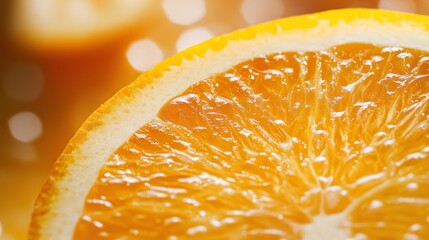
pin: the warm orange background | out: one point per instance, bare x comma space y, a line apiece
61, 78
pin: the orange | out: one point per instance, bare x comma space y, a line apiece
310, 127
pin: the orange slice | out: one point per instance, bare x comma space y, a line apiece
310, 127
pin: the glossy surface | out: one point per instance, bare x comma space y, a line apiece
269, 148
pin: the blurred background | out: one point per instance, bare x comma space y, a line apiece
60, 59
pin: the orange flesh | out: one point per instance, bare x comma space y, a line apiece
259, 151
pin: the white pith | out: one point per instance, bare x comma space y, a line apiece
127, 118
326, 227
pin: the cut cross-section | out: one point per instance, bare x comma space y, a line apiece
310, 127
293, 145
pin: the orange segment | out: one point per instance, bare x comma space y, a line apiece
292, 145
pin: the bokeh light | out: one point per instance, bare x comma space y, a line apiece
398, 5
191, 37
50, 24
184, 12
144, 54
256, 11
25, 126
